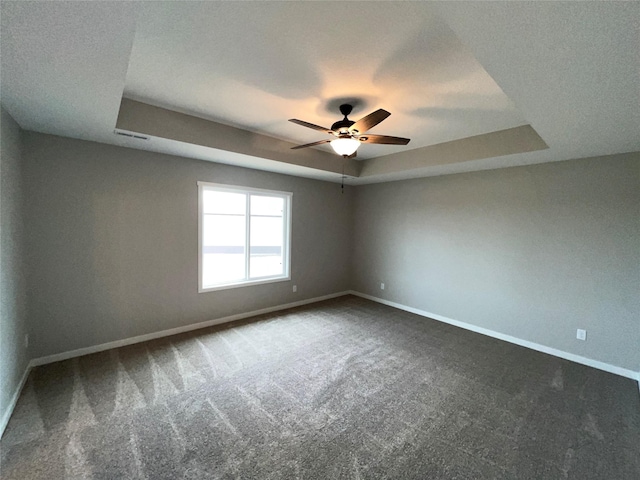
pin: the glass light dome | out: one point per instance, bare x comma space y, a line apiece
345, 146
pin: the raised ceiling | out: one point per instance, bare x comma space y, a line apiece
475, 85
256, 65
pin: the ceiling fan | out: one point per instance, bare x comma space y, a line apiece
349, 134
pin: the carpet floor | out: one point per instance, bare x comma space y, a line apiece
342, 389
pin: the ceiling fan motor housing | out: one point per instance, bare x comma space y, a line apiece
342, 127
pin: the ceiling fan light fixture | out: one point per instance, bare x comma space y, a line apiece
349, 133
345, 146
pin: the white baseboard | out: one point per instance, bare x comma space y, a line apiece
173, 331
6, 415
508, 338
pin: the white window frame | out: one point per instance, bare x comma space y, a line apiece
286, 253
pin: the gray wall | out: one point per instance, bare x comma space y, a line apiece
113, 242
13, 323
534, 252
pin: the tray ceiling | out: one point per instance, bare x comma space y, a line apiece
547, 80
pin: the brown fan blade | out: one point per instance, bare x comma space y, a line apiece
311, 125
370, 121
310, 144
353, 155
385, 139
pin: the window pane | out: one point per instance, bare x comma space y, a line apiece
220, 268
223, 230
265, 232
265, 265
266, 247
261, 205
223, 202
223, 249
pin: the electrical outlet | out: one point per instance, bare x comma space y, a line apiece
295, 288
26, 341
581, 334
382, 286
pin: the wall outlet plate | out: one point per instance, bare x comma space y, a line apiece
581, 334
382, 286
295, 288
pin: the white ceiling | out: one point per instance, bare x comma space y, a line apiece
446, 70
255, 65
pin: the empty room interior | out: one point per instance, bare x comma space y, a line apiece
320, 240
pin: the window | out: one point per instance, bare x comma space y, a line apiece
244, 236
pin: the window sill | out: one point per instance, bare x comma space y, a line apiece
247, 283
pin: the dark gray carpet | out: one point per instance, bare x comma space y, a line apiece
340, 389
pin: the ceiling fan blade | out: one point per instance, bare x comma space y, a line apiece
370, 121
310, 144
385, 139
311, 125
353, 155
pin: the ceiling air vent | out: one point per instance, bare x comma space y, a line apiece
130, 135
